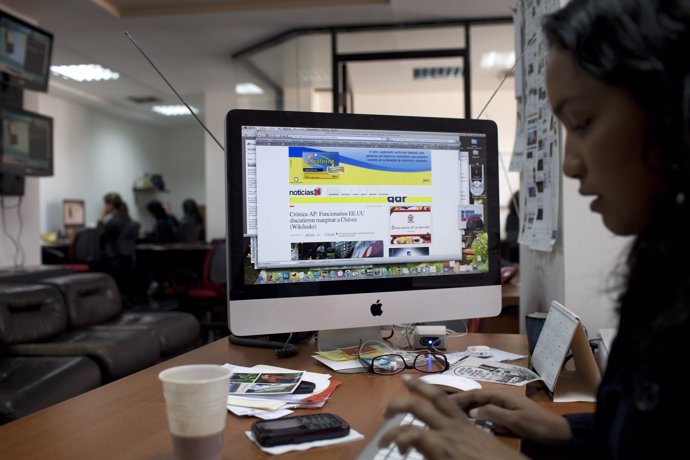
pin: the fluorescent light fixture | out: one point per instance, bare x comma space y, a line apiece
173, 110
498, 60
248, 88
84, 72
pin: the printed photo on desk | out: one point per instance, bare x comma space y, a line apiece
492, 371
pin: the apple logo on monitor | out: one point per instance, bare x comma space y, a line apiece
376, 308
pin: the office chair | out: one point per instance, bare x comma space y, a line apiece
127, 243
84, 251
189, 232
207, 298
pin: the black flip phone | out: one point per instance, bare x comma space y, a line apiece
299, 428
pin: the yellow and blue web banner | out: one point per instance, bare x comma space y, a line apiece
359, 166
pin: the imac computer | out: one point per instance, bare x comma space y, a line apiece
346, 223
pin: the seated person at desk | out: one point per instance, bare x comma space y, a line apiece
113, 219
618, 78
165, 227
117, 236
192, 226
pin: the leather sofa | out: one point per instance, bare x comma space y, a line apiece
62, 336
93, 301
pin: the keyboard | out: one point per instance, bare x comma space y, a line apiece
373, 452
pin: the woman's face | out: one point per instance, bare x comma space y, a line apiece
604, 146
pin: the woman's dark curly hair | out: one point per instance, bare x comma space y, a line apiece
643, 46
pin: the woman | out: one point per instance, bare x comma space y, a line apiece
114, 217
618, 78
192, 225
165, 227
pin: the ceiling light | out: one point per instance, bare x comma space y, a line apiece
173, 110
248, 88
84, 72
498, 60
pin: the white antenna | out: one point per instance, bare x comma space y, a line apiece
173, 89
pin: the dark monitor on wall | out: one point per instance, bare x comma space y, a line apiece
25, 53
344, 221
26, 143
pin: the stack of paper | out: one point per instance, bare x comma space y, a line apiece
268, 392
346, 360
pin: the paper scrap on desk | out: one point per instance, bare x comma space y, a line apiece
350, 353
484, 370
320, 396
341, 366
262, 414
255, 403
277, 450
494, 355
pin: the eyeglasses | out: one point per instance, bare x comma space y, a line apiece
392, 363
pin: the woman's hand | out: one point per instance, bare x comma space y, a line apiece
449, 433
517, 413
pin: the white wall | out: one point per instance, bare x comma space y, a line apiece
26, 232
22, 222
216, 106
94, 153
182, 165
590, 261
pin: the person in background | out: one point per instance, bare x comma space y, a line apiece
192, 226
618, 79
117, 236
164, 228
112, 221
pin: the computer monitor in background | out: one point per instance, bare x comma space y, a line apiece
25, 52
26, 142
73, 216
341, 221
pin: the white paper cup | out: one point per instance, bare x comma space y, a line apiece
196, 404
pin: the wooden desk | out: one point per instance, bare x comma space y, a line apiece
126, 419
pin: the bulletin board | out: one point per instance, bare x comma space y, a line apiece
536, 154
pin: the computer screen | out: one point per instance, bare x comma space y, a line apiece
339, 221
25, 52
73, 213
26, 142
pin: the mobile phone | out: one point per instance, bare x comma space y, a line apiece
299, 428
